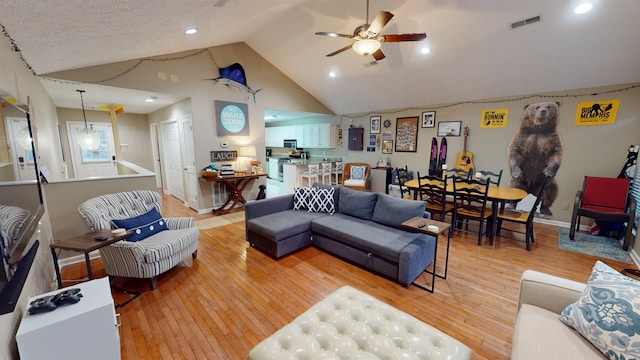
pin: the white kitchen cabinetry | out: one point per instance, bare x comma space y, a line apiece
313, 136
85, 330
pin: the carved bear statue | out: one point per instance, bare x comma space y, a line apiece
535, 152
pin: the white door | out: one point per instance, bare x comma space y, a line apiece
155, 149
23, 162
89, 163
172, 159
189, 168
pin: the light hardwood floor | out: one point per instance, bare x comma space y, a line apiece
232, 296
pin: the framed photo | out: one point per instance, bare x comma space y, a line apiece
449, 128
387, 146
407, 134
375, 125
428, 119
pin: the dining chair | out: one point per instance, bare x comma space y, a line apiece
336, 172
492, 177
325, 173
470, 204
312, 173
459, 172
522, 217
433, 190
402, 175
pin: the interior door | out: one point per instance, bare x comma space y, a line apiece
23, 162
190, 176
89, 163
172, 162
155, 149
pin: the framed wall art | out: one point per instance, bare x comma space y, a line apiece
449, 128
387, 146
375, 125
428, 119
407, 134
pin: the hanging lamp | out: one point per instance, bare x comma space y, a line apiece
88, 139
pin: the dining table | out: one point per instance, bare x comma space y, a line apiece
496, 194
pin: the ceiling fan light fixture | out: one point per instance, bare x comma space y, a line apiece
366, 46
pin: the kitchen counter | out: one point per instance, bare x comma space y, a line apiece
292, 170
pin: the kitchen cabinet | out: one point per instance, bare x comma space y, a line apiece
84, 330
312, 136
356, 136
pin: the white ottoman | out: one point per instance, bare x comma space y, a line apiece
349, 324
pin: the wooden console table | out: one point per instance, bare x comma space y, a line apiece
235, 185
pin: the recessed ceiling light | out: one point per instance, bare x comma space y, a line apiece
425, 50
332, 74
151, 99
582, 8
190, 31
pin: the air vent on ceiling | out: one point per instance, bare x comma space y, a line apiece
524, 22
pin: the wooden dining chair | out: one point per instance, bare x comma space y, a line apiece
402, 176
459, 172
470, 204
492, 177
522, 217
433, 190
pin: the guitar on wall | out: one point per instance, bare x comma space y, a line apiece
464, 160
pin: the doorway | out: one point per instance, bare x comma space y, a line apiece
89, 163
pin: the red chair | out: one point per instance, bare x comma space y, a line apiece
605, 199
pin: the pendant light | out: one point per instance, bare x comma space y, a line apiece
88, 139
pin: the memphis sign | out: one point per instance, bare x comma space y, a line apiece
597, 113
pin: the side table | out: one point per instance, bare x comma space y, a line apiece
85, 243
444, 229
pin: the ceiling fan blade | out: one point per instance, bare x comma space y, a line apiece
378, 55
379, 22
404, 37
341, 50
332, 34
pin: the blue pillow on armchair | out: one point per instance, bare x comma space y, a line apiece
143, 225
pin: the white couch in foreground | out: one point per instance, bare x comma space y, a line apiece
563, 319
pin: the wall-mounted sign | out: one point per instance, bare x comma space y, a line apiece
597, 113
494, 118
223, 155
231, 118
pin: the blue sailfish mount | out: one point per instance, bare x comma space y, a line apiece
233, 76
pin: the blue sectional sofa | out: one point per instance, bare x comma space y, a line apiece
361, 227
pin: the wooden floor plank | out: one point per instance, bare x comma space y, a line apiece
232, 296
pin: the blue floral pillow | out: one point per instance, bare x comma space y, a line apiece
321, 200
608, 313
357, 172
301, 198
143, 225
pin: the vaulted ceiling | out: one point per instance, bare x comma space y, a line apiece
474, 53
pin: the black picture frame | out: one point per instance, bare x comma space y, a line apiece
428, 119
449, 128
375, 123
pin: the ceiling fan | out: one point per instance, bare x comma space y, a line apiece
368, 39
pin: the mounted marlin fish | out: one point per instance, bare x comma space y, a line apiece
233, 76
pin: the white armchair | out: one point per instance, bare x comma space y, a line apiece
147, 258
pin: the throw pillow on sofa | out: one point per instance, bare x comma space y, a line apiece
392, 211
143, 225
356, 203
608, 313
321, 200
301, 198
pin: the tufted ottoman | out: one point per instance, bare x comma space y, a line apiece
349, 324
